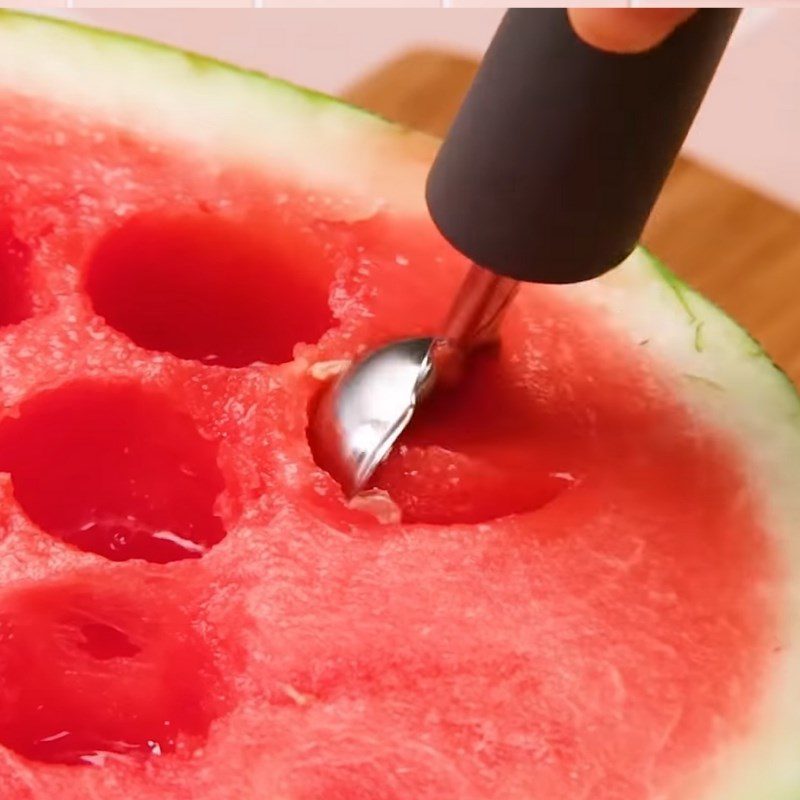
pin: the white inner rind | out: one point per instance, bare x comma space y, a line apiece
742, 392
242, 118
238, 117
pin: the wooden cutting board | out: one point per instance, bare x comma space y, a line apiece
739, 248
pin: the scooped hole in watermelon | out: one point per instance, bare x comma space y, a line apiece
115, 470
88, 669
103, 641
15, 303
474, 452
210, 289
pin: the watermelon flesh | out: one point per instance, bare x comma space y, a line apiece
565, 583
14, 257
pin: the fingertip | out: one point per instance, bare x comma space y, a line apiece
626, 30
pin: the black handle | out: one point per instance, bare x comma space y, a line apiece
560, 149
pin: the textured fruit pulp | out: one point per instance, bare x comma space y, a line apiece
571, 607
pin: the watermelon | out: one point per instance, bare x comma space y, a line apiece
577, 576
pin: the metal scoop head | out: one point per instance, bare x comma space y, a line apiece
359, 418
361, 415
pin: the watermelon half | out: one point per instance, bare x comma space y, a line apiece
577, 579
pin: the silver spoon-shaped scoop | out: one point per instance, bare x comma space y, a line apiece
362, 414
547, 175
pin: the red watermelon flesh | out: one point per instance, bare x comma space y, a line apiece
564, 584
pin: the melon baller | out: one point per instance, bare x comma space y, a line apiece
547, 175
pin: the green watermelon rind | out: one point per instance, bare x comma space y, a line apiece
688, 297
722, 373
199, 61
